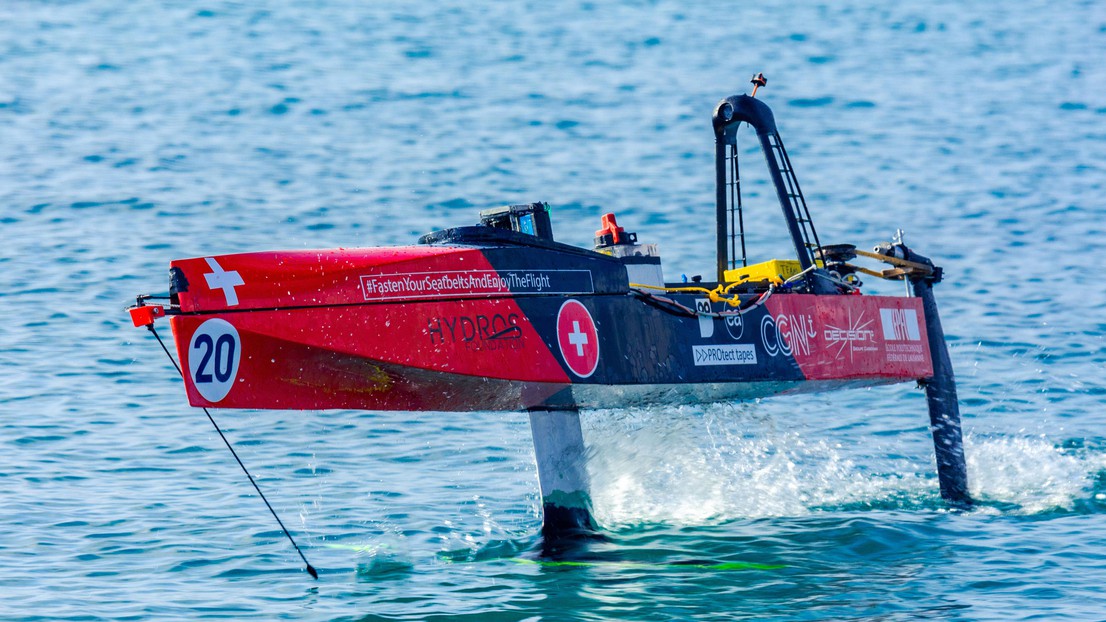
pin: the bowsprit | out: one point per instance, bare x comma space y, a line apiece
501, 316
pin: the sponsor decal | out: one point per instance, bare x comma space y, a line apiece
787, 334
477, 333
735, 326
857, 337
905, 353
213, 357
221, 279
733, 354
900, 324
706, 322
904, 339
577, 338
475, 282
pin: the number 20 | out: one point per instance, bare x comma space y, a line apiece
221, 350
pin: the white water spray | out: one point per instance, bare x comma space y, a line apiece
692, 465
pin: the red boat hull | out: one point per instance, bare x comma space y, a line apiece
450, 329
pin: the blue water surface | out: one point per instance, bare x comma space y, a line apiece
135, 133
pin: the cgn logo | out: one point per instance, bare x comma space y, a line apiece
577, 338
787, 334
213, 357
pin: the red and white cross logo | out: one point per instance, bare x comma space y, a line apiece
577, 338
221, 279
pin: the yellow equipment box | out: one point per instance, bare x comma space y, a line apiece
774, 270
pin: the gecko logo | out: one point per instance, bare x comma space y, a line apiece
787, 334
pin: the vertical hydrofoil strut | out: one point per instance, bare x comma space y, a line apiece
562, 474
944, 406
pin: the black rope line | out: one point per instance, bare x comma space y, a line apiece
310, 569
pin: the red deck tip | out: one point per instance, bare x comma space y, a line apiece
146, 314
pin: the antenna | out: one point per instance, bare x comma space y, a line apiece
758, 81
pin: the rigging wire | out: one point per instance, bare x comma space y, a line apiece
310, 569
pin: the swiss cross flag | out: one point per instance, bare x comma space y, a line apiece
578, 339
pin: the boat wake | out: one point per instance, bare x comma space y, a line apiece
1035, 475
668, 466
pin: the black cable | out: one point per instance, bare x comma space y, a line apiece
310, 569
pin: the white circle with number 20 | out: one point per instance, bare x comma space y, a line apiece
213, 358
